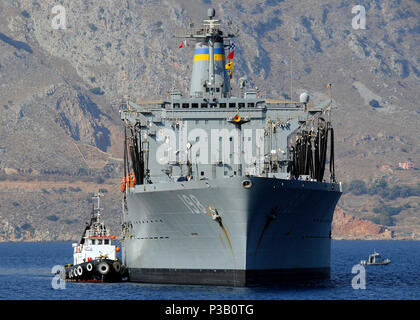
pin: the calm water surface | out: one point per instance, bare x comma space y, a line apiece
25, 273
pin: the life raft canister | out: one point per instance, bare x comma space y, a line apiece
122, 184
129, 182
132, 180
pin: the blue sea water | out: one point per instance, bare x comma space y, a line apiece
25, 273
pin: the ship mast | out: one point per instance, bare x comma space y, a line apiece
209, 78
211, 26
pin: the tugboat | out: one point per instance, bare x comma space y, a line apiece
95, 256
375, 259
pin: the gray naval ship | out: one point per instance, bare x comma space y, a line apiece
226, 190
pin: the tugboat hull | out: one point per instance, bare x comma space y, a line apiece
98, 270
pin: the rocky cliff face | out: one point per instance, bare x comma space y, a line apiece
60, 89
347, 227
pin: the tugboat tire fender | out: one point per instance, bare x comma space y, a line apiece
117, 266
103, 268
89, 267
79, 270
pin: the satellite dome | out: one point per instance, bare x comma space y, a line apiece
211, 13
304, 98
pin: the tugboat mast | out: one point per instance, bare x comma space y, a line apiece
98, 210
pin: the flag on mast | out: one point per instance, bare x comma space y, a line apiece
182, 43
230, 55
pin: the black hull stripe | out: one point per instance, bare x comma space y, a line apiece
239, 278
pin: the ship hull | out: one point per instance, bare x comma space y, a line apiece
270, 231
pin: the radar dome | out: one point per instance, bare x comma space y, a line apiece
304, 98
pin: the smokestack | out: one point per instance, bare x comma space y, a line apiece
204, 80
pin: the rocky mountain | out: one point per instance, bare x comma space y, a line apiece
60, 90
347, 227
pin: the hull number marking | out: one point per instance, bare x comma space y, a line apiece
192, 203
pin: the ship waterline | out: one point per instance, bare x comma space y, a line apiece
266, 229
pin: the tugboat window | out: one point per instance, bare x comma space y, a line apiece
99, 241
106, 241
92, 241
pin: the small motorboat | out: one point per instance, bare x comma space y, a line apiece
375, 259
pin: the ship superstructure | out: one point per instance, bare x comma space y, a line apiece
226, 190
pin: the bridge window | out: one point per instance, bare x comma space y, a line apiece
241, 105
99, 241
204, 105
222, 105
194, 105
185, 105
106, 241
251, 105
232, 105
213, 105
176, 105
